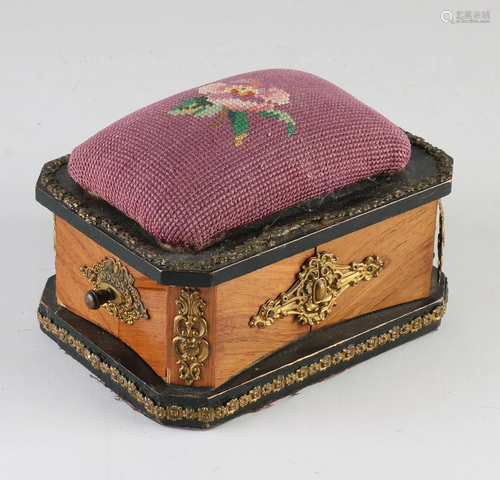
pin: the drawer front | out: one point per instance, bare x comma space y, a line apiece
147, 336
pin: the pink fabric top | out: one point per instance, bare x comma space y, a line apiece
198, 164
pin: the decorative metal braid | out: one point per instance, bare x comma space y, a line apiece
207, 415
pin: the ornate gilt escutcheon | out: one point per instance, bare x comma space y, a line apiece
190, 347
315, 293
114, 290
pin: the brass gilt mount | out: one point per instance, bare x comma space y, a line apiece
114, 290
316, 290
440, 239
190, 347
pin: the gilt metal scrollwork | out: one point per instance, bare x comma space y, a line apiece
126, 303
315, 293
190, 346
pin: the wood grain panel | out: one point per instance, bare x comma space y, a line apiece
146, 337
406, 245
238, 300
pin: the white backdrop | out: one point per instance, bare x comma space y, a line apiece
429, 409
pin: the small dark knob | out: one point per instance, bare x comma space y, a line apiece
95, 298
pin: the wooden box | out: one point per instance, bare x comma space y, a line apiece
195, 338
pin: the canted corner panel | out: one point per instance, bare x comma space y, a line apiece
146, 337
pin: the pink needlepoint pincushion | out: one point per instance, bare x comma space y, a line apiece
194, 166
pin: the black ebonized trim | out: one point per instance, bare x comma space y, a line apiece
303, 352
427, 177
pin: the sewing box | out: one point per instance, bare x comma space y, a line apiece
227, 246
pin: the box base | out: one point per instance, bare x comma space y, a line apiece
310, 359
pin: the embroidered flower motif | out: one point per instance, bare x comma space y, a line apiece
235, 101
247, 96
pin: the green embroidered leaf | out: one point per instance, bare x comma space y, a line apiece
197, 100
282, 117
190, 106
208, 111
239, 121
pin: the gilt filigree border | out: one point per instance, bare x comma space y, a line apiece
208, 415
263, 241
